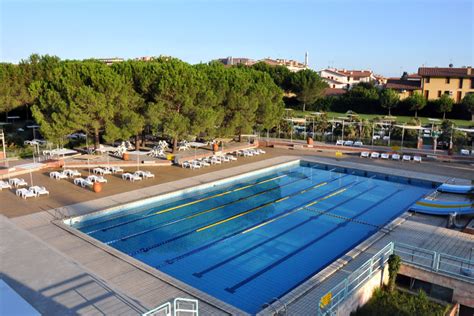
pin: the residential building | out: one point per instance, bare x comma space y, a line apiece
110, 61
455, 82
231, 61
406, 85
345, 79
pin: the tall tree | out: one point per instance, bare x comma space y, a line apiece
416, 102
308, 86
444, 104
468, 102
389, 99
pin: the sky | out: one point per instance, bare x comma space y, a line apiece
388, 37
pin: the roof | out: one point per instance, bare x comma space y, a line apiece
329, 80
350, 73
334, 91
400, 84
445, 72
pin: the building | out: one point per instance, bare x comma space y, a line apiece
110, 61
231, 61
406, 85
345, 79
455, 82
292, 65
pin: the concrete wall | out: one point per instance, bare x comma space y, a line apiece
363, 294
463, 292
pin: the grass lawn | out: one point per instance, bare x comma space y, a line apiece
400, 119
400, 304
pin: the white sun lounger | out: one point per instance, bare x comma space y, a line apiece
215, 160
144, 174
83, 182
406, 158
115, 169
339, 142
24, 193
17, 182
5, 185
358, 144
231, 158
58, 175
465, 152
131, 177
99, 179
365, 154
348, 143
395, 157
195, 165
374, 155
71, 173
101, 171
39, 190
384, 156
417, 158
260, 151
204, 162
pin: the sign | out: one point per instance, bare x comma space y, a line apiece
338, 154
325, 300
395, 148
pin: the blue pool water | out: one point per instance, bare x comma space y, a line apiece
252, 240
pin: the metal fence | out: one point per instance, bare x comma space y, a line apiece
460, 268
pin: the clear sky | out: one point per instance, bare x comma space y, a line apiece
386, 36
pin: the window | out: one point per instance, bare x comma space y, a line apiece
472, 83
460, 83
427, 94
427, 80
458, 97
439, 93
447, 92
448, 80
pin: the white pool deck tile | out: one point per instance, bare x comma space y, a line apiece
61, 273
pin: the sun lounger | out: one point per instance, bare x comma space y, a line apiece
348, 143
131, 177
358, 144
406, 158
465, 152
83, 182
195, 165
261, 151
17, 182
248, 153
224, 159
417, 158
365, 154
339, 142
384, 156
99, 179
204, 163
186, 164
39, 190
58, 175
231, 158
215, 161
144, 174
374, 155
71, 173
395, 157
24, 193
116, 169
5, 185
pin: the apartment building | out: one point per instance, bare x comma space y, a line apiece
406, 85
455, 82
292, 65
345, 79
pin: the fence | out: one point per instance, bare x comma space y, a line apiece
433, 261
181, 306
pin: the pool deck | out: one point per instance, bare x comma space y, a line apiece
60, 273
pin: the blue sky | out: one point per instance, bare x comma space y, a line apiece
386, 36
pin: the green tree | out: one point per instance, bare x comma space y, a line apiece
416, 102
444, 104
389, 99
308, 86
468, 102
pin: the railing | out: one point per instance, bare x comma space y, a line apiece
181, 306
433, 261
329, 303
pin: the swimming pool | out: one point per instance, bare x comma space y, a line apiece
257, 237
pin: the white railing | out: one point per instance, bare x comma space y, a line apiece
181, 306
433, 261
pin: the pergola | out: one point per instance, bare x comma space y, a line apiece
404, 127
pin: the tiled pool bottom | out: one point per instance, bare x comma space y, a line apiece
249, 241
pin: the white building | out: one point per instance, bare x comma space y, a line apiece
345, 79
